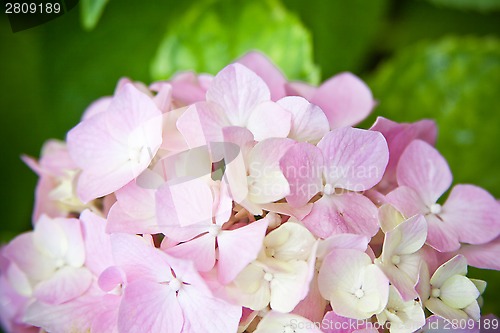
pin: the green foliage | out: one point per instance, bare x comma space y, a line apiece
214, 33
480, 5
91, 11
454, 81
343, 31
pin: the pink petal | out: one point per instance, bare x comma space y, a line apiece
175, 207
178, 167
188, 88
44, 204
473, 214
120, 221
136, 200
342, 241
202, 123
55, 158
266, 181
235, 177
239, 247
302, 166
111, 278
263, 67
355, 159
98, 254
440, 236
302, 89
346, 213
404, 283
407, 201
277, 122
422, 168
149, 307
176, 141
309, 122
398, 137
139, 259
238, 90
206, 314
102, 145
163, 97
16, 280
177, 234
66, 284
313, 306
186, 272
76, 315
200, 250
284, 208
75, 254
486, 256
98, 106
21, 251
345, 99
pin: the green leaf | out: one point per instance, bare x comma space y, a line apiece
214, 33
344, 31
454, 81
479, 5
91, 11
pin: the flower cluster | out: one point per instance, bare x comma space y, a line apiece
242, 202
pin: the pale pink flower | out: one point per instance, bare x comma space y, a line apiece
55, 194
236, 97
115, 146
449, 293
469, 215
398, 137
172, 295
346, 160
400, 259
355, 287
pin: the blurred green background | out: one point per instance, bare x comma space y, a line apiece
436, 59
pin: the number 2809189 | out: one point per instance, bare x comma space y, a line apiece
32, 8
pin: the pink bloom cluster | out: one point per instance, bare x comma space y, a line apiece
246, 203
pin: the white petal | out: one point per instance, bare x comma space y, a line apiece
454, 266
458, 292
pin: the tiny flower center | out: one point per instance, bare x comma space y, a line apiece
328, 189
214, 230
435, 292
274, 220
175, 284
359, 293
288, 329
435, 208
268, 277
395, 259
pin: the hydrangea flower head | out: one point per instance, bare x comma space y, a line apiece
243, 202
